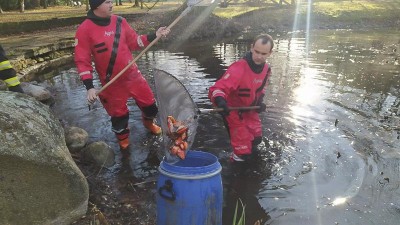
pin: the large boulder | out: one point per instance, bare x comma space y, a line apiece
39, 181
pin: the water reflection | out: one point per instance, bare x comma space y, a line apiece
331, 133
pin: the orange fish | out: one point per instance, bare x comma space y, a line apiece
178, 132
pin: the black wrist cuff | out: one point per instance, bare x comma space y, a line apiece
88, 83
219, 101
151, 37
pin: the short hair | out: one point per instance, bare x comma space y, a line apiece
265, 38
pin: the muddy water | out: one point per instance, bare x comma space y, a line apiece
331, 132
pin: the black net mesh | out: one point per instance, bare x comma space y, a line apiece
174, 100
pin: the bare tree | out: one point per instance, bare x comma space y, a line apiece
22, 6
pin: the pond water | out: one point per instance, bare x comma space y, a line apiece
331, 145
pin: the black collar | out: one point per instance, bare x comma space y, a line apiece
253, 66
101, 21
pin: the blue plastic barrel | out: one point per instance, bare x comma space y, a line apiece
190, 191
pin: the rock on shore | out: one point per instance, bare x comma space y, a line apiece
39, 181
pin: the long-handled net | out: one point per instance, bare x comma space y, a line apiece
178, 115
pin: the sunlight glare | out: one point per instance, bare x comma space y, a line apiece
339, 201
307, 92
296, 15
198, 21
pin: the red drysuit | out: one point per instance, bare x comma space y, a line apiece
240, 86
97, 40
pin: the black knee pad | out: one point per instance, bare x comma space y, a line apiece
150, 111
120, 124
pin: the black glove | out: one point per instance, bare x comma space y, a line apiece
262, 108
221, 103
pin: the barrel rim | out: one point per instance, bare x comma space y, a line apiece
190, 176
194, 172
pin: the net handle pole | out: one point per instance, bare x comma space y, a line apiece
230, 108
184, 12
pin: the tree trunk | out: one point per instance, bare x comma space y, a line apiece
44, 4
22, 6
1, 10
87, 5
136, 3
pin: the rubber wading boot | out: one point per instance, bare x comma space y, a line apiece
151, 126
123, 144
236, 158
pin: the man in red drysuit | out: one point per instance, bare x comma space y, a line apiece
110, 40
243, 84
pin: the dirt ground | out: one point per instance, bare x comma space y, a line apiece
129, 201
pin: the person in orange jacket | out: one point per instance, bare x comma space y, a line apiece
110, 40
244, 84
8, 74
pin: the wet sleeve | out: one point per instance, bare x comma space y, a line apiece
82, 58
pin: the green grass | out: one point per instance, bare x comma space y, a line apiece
359, 8
346, 9
233, 11
338, 10
239, 219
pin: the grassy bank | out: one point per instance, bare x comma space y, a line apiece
62, 12
324, 14
328, 14
342, 10
329, 8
